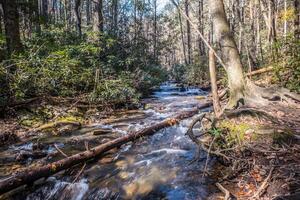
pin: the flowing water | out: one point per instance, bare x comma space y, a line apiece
154, 167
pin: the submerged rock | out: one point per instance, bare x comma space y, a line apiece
101, 194
8, 138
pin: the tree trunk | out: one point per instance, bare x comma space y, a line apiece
182, 38
1, 18
88, 12
34, 173
98, 23
188, 32
297, 19
115, 5
78, 17
229, 51
155, 32
213, 80
44, 11
285, 20
201, 27
36, 15
11, 23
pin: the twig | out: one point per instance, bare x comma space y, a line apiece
60, 151
263, 185
79, 173
207, 157
86, 144
224, 190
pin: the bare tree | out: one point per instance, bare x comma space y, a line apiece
98, 22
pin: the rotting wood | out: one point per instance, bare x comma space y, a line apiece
29, 175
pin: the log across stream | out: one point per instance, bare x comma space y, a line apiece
149, 168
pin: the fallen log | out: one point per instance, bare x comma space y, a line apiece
260, 71
253, 73
32, 174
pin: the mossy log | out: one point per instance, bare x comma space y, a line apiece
32, 174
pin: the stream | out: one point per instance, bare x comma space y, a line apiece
154, 167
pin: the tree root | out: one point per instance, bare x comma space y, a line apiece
204, 146
225, 191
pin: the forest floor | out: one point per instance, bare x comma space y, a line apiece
265, 164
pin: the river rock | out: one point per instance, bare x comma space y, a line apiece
101, 194
8, 138
24, 155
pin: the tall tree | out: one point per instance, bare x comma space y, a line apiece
11, 24
155, 30
88, 11
297, 19
115, 10
98, 22
188, 31
78, 16
1, 18
201, 27
229, 51
44, 11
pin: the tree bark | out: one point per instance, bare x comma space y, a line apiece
11, 24
88, 11
229, 51
98, 23
155, 32
78, 16
1, 18
32, 174
182, 37
201, 27
297, 19
188, 32
44, 11
115, 6
213, 80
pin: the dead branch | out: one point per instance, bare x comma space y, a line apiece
207, 157
79, 173
192, 136
60, 151
224, 190
263, 186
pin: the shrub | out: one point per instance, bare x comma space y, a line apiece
287, 70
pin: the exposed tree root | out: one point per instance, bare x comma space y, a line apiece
206, 147
225, 191
274, 107
255, 96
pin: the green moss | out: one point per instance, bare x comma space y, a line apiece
235, 132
